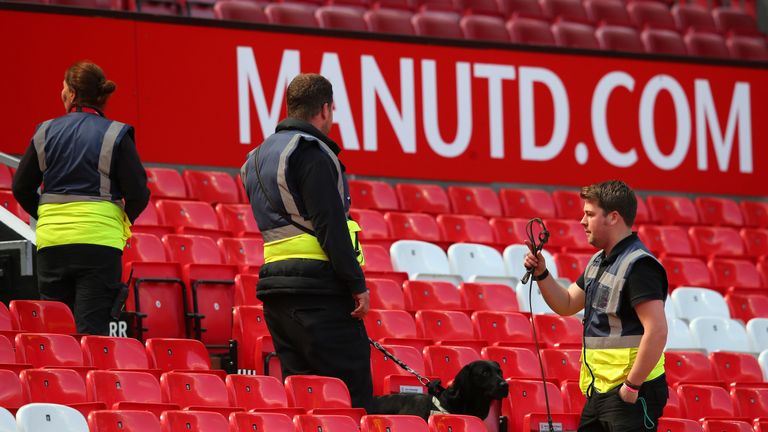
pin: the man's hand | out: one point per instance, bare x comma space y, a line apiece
538, 263
626, 395
362, 304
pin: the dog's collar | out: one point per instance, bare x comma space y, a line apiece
439, 408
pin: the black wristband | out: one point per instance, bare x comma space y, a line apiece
542, 276
630, 385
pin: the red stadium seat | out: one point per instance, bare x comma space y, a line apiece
619, 38
643, 214
751, 402
6, 177
41, 316
211, 186
178, 354
320, 395
689, 367
248, 325
447, 327
374, 227
524, 30
488, 296
385, 294
166, 183
726, 425
149, 222
394, 423
672, 210
376, 258
242, 252
389, 377
123, 421
734, 273
666, 240
528, 8
50, 350
191, 217
607, 12
527, 203
515, 362
686, 272
755, 241
670, 424
465, 229
122, 390
573, 399
755, 213
431, 295
745, 304
703, 44
663, 41
144, 247
239, 11
90, 4
728, 19
237, 219
701, 401
719, 211
259, 393
9, 203
484, 28
474, 200
12, 394
651, 14
59, 386
753, 48
373, 195
291, 14
445, 362
526, 407
575, 35
454, 423
503, 328
568, 10
389, 21
737, 368
423, 198
245, 290
196, 391
192, 421
103, 352
558, 331
561, 364
762, 268
395, 327
716, 241
508, 231
568, 204
313, 423
571, 265
246, 422
437, 24
482, 7
692, 16
569, 235
413, 226
156, 301
341, 18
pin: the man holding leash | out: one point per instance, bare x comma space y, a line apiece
622, 292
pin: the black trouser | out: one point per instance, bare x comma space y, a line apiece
315, 335
608, 412
86, 278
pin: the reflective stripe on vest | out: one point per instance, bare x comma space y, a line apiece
105, 164
306, 246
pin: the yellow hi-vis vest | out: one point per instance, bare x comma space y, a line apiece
610, 345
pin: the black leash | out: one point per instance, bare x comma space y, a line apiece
433, 387
543, 237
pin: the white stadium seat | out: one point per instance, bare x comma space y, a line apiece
513, 260
538, 304
719, 334
692, 302
7, 422
46, 417
478, 263
757, 333
422, 261
669, 310
762, 359
679, 337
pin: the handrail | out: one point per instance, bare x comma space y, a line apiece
11, 161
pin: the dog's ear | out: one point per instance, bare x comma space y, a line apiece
462, 380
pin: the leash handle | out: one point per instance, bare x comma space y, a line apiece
422, 379
537, 247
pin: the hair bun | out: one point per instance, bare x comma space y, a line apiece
108, 87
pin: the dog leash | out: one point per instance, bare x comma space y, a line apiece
433, 387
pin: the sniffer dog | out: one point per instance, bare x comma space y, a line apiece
474, 388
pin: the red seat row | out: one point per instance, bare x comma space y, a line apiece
704, 241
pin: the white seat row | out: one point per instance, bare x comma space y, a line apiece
43, 417
717, 334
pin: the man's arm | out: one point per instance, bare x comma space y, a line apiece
651, 315
26, 181
564, 301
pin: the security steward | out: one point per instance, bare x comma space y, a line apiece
312, 285
622, 292
93, 187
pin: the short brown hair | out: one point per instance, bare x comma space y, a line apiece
90, 85
613, 195
307, 94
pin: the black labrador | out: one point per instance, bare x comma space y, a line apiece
474, 388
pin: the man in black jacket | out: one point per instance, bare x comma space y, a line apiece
311, 284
